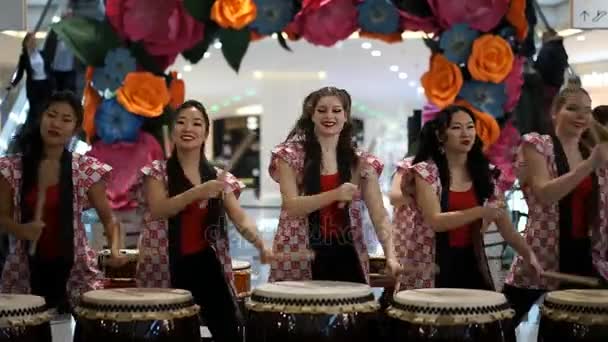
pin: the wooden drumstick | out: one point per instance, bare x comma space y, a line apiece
571, 278
38, 213
166, 141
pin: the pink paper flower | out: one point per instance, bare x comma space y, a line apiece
164, 27
126, 159
482, 15
410, 22
503, 153
429, 111
513, 84
326, 22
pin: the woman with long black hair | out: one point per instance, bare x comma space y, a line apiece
185, 243
323, 178
43, 171
453, 189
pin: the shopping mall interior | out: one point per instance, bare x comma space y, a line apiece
254, 92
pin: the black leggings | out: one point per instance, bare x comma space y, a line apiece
203, 275
521, 300
49, 279
337, 262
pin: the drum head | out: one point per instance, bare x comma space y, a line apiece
16, 309
579, 298
239, 265
585, 307
137, 297
313, 296
450, 306
136, 304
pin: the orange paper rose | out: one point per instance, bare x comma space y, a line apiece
144, 94
486, 126
517, 17
235, 14
442, 82
491, 59
91, 102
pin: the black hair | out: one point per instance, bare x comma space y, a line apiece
430, 148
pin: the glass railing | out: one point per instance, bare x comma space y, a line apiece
14, 104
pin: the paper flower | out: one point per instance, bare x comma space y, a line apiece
117, 64
482, 15
234, 14
503, 153
114, 123
442, 82
144, 94
411, 22
486, 126
516, 16
491, 59
177, 90
126, 159
484, 96
91, 99
513, 83
378, 16
429, 111
457, 42
164, 27
273, 16
326, 22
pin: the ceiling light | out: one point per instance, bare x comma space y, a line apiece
255, 109
322, 75
366, 45
402, 75
274, 36
258, 75
414, 35
187, 68
376, 53
394, 68
207, 55
580, 38
217, 45
284, 35
412, 84
420, 90
214, 108
56, 19
250, 92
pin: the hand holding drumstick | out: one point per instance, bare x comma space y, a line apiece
45, 180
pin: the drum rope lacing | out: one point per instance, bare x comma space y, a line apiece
23, 311
591, 310
480, 310
135, 308
311, 301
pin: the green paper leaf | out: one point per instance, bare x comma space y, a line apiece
89, 39
199, 9
283, 42
195, 54
234, 46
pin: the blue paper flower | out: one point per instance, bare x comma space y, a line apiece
117, 64
378, 16
457, 43
114, 123
273, 16
486, 97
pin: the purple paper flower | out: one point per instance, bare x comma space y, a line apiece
482, 15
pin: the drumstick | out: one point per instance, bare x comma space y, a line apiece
370, 148
166, 141
571, 278
38, 213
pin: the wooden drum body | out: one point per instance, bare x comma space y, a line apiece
126, 315
311, 311
451, 315
120, 277
24, 318
242, 277
574, 316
